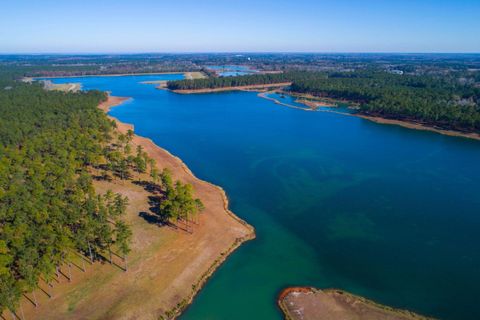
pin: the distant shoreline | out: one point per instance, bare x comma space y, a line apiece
262, 88
276, 101
257, 87
110, 75
418, 126
379, 120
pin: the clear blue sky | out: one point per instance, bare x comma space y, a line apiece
239, 25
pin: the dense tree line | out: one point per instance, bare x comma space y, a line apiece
52, 144
445, 101
49, 210
222, 82
178, 202
78, 65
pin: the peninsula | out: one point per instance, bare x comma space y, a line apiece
167, 266
304, 303
253, 87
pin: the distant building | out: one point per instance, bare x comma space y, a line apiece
395, 71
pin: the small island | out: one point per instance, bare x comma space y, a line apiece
304, 303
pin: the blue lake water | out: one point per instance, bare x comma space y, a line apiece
385, 212
232, 70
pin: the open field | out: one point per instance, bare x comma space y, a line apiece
194, 75
311, 304
167, 266
315, 104
65, 87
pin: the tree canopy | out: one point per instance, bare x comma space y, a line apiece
223, 82
48, 206
439, 101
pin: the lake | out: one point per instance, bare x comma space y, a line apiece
232, 70
385, 212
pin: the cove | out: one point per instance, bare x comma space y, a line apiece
337, 201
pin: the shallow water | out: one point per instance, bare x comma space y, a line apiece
337, 201
292, 101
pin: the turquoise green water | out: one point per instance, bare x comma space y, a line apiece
337, 201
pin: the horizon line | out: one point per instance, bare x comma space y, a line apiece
239, 52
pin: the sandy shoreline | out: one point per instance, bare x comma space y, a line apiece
315, 104
149, 144
166, 268
317, 98
276, 101
307, 303
418, 126
154, 151
237, 88
406, 124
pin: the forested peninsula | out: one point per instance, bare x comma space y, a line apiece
49, 211
443, 102
81, 202
226, 82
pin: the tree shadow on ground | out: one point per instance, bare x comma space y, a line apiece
155, 216
149, 186
102, 173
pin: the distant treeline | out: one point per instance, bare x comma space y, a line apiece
82, 70
444, 101
439, 101
49, 210
222, 82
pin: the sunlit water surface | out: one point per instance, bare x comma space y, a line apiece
388, 213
